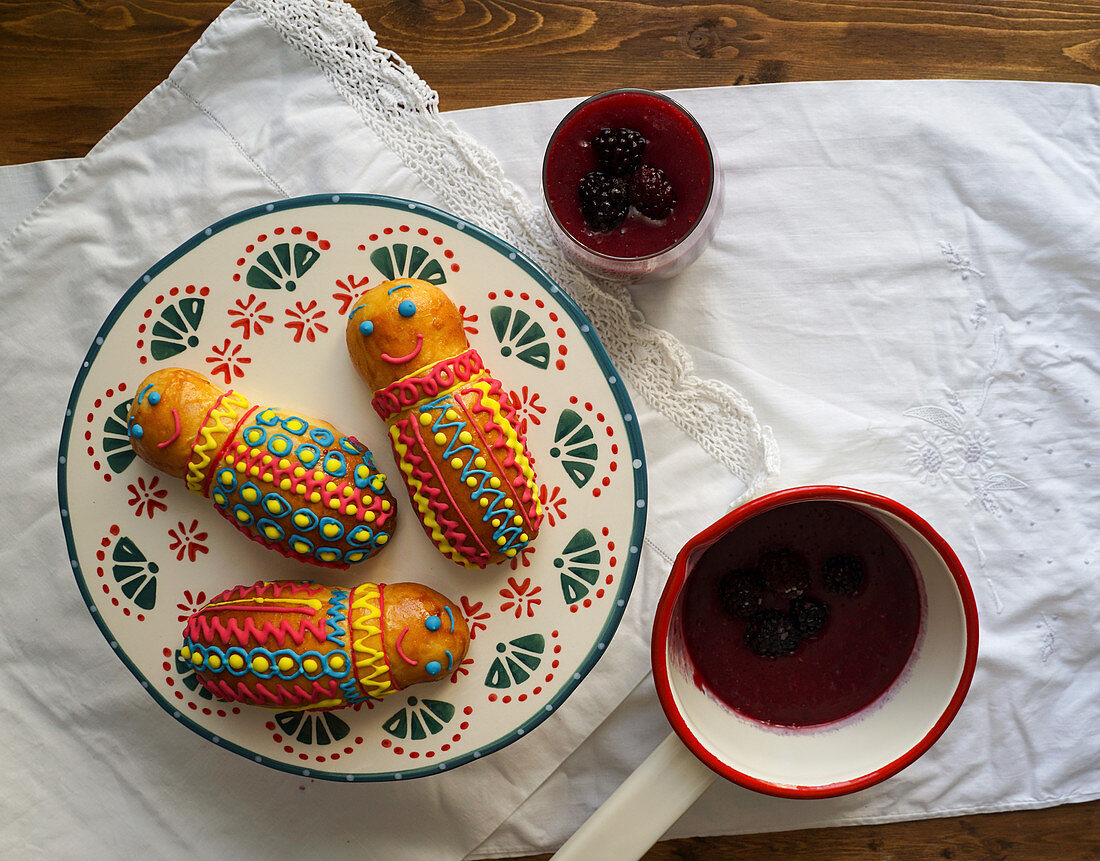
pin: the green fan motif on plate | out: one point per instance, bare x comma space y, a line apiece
186, 672
280, 267
407, 261
580, 560
419, 719
116, 438
176, 327
518, 659
575, 446
321, 728
135, 574
520, 335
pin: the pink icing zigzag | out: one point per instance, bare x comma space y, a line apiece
437, 380
203, 630
261, 695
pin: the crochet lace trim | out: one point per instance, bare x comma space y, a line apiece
399, 107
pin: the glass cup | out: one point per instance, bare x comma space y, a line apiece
639, 248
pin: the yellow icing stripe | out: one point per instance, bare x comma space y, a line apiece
313, 603
367, 652
222, 419
427, 516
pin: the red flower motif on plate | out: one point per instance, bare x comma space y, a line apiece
190, 605
349, 293
474, 615
520, 597
188, 541
227, 361
468, 319
251, 316
146, 499
552, 504
305, 321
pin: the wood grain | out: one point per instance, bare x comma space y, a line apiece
71, 69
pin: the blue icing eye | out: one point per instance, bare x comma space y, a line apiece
406, 308
434, 668
433, 623
137, 431
366, 328
154, 398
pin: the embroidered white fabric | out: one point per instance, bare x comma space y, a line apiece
398, 106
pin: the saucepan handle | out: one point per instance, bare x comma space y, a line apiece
643, 808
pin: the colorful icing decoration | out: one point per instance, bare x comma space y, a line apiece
465, 465
292, 483
298, 645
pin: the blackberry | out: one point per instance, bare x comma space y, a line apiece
786, 572
604, 200
771, 634
808, 616
741, 592
619, 151
843, 574
651, 193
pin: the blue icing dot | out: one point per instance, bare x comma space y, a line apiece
433, 623
285, 653
304, 519
322, 436
307, 454
254, 435
280, 445
350, 446
301, 544
275, 505
137, 431
270, 530
154, 398
434, 668
406, 308
335, 464
331, 529
366, 328
360, 536
236, 650
295, 425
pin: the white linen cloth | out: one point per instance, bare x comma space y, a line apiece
904, 286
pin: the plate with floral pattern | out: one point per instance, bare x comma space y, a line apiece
257, 302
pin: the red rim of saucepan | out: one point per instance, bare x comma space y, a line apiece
663, 622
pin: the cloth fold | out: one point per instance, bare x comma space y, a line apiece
903, 287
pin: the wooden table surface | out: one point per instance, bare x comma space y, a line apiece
71, 69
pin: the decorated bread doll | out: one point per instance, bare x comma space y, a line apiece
290, 482
466, 467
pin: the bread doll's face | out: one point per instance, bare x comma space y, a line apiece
401, 327
165, 417
426, 636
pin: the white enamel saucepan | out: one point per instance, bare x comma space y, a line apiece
711, 740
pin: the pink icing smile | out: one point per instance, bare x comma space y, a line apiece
175, 436
400, 360
401, 651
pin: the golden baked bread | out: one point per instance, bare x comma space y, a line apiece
465, 465
290, 482
298, 645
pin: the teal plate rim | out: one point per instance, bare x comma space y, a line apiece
611, 376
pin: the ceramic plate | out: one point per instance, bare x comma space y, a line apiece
257, 302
